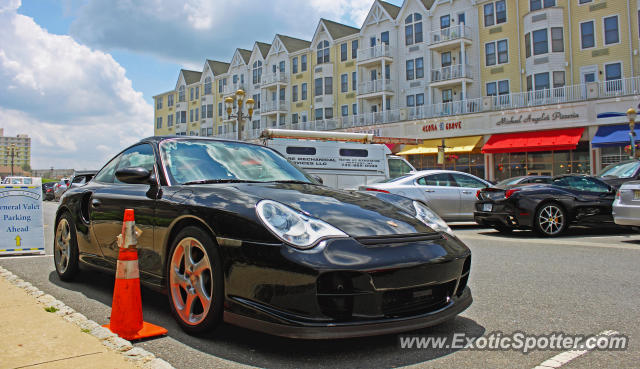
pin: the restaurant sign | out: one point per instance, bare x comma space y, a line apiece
442, 126
531, 118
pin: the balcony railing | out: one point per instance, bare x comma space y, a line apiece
378, 51
317, 125
232, 88
274, 106
270, 78
449, 34
371, 87
451, 72
365, 119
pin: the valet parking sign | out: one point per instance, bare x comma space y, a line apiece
21, 227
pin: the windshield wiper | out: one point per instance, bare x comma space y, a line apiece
229, 180
292, 181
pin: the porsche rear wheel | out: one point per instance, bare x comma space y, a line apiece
65, 248
195, 285
551, 220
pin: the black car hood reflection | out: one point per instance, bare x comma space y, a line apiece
358, 214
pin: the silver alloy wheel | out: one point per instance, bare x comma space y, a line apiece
551, 219
62, 249
191, 281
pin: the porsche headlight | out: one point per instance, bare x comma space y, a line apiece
430, 218
293, 227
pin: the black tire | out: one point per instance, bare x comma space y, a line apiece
65, 248
551, 219
503, 229
184, 281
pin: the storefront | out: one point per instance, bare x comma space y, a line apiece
461, 153
614, 143
550, 152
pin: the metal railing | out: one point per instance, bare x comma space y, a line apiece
270, 78
451, 72
317, 125
274, 106
374, 52
449, 34
370, 87
232, 88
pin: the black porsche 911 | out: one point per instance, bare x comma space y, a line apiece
233, 231
546, 208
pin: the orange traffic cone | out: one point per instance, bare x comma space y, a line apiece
126, 310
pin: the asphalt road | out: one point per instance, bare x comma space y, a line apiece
583, 283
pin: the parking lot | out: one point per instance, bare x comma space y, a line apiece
585, 282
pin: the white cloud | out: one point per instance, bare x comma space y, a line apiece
188, 31
68, 98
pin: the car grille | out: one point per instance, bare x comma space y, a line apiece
417, 300
398, 238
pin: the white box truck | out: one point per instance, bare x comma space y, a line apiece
342, 160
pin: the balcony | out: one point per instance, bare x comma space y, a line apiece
367, 119
452, 74
317, 125
232, 88
273, 107
375, 54
445, 37
271, 79
375, 87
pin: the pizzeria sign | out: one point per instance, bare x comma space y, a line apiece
531, 118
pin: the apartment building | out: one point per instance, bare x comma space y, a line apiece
510, 87
18, 146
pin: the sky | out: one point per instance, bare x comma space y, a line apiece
79, 76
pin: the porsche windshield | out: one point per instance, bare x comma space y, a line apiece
209, 161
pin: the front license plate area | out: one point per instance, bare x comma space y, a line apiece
487, 207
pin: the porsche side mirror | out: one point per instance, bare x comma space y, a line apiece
134, 175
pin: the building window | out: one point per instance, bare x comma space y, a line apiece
209, 112
613, 71
558, 79
170, 120
343, 51
256, 99
495, 13
328, 113
420, 99
445, 59
410, 70
584, 1
419, 68
529, 83
527, 45
344, 83
354, 80
159, 122
611, 35
540, 42
587, 36
303, 63
539, 4
197, 113
158, 103
197, 92
281, 67
413, 29
384, 38
183, 116
207, 86
170, 100
541, 81
318, 87
344, 110
323, 52
303, 92
181, 97
354, 49
354, 109
294, 93
257, 72
294, 65
283, 92
557, 39
191, 93
191, 115
318, 114
411, 100
502, 56
445, 21
328, 85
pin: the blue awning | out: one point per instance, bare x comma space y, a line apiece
613, 135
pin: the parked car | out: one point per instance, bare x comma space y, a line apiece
626, 207
617, 174
81, 178
522, 180
451, 194
234, 231
547, 208
18, 180
47, 191
60, 188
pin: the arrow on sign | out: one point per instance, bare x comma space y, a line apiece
18, 238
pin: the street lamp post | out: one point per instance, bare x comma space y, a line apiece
631, 114
11, 151
239, 115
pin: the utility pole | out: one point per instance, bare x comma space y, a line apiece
11, 151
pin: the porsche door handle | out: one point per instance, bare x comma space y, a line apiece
467, 192
429, 190
96, 203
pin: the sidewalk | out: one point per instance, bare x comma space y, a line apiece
35, 338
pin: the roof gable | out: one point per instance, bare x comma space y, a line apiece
190, 76
338, 30
423, 5
293, 44
379, 12
240, 57
218, 67
391, 9
264, 48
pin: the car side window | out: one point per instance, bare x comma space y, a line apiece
467, 181
107, 174
137, 156
582, 184
439, 179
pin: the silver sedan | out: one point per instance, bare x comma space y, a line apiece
449, 193
626, 207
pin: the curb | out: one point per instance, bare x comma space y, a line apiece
138, 356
